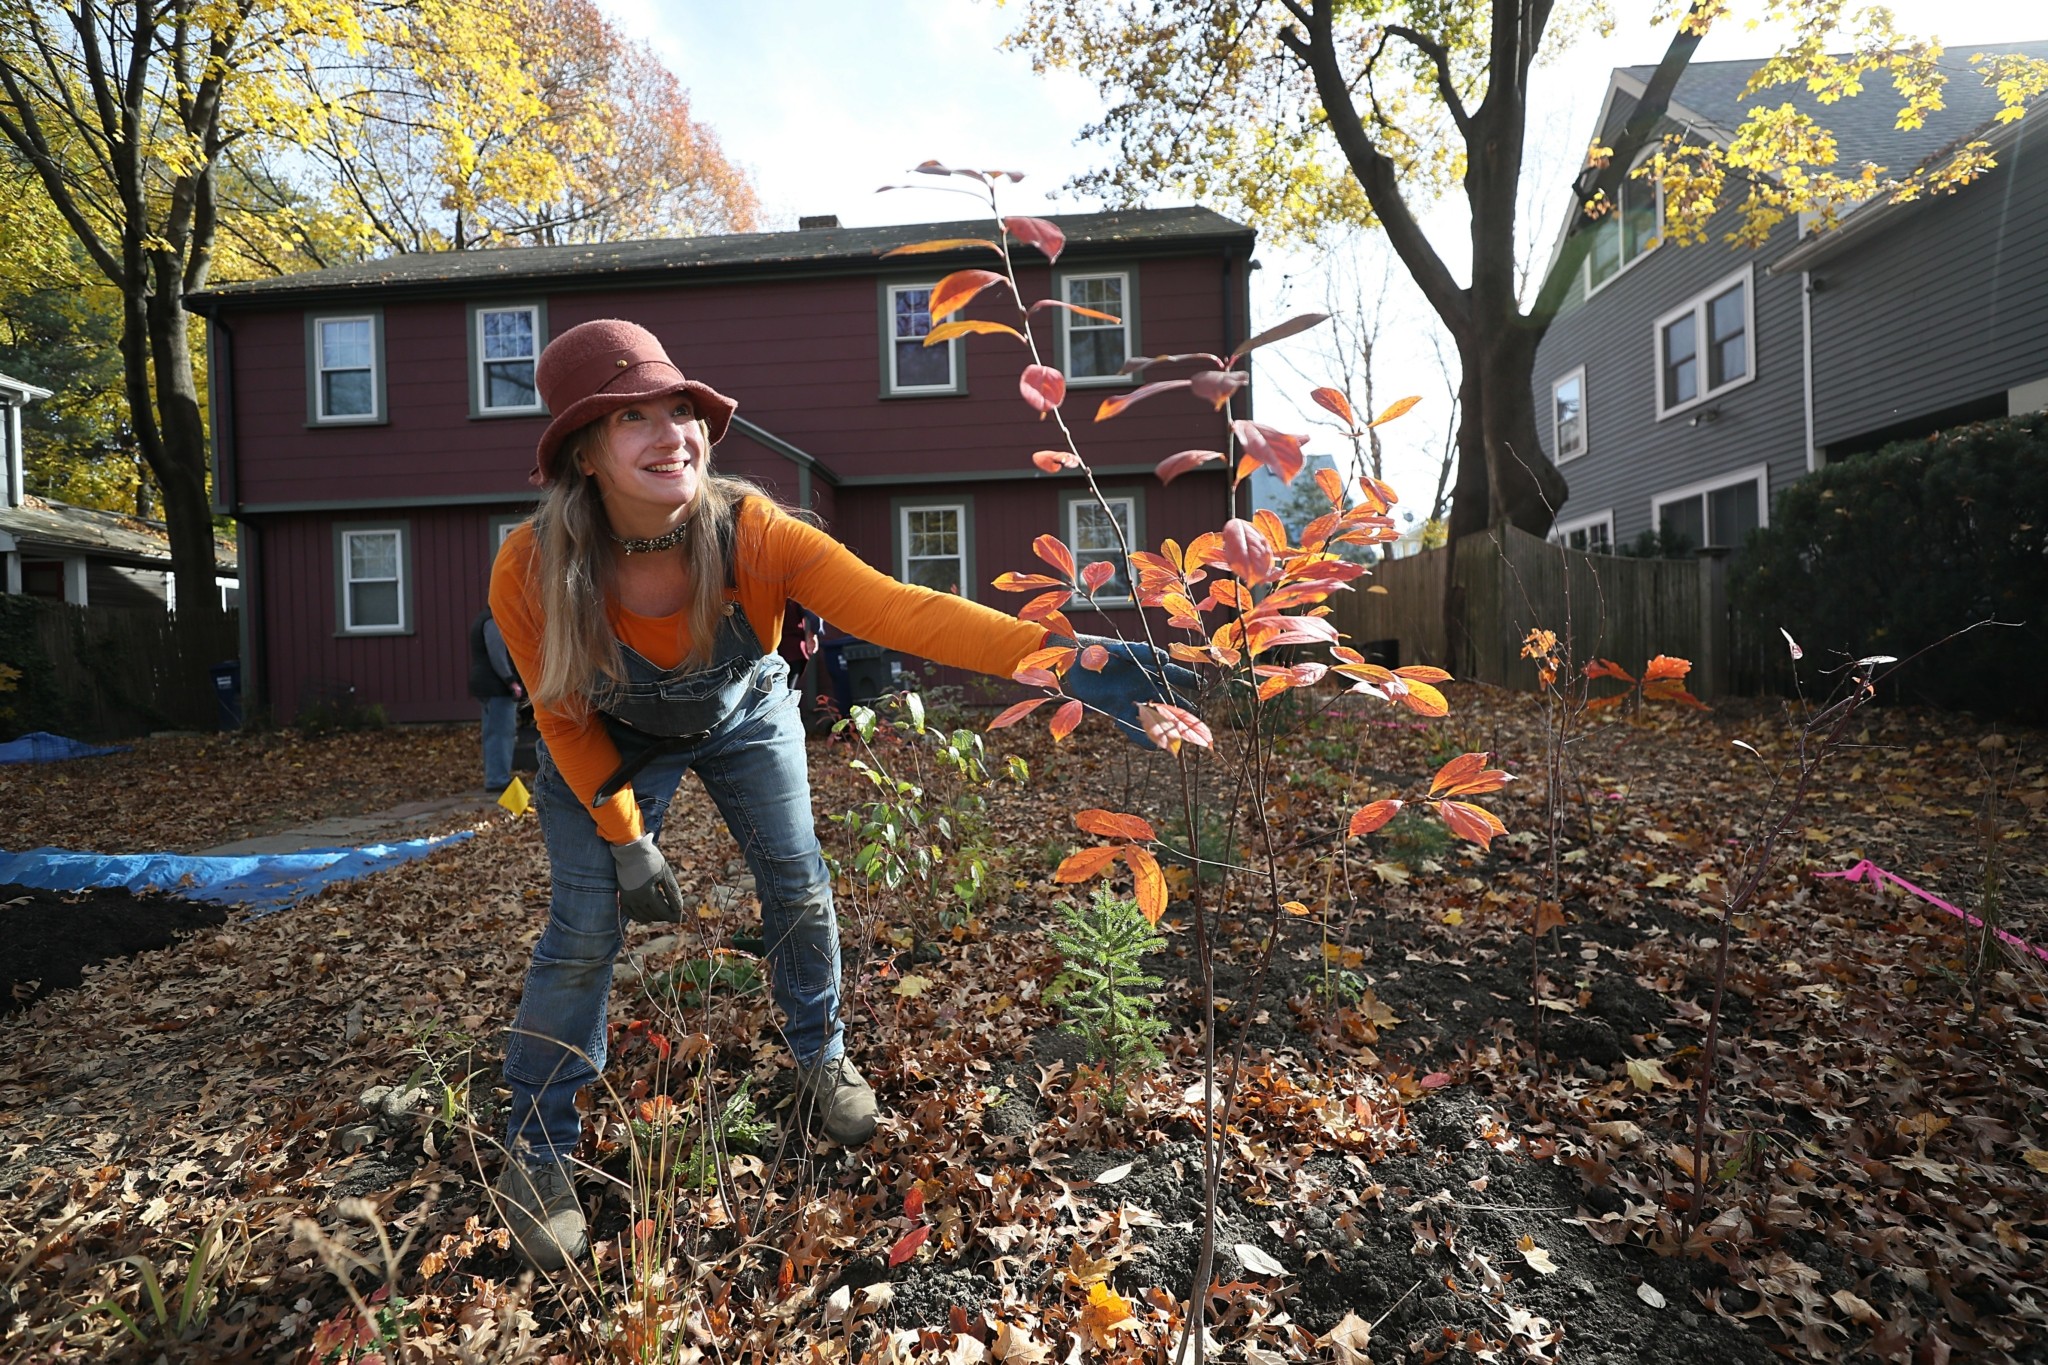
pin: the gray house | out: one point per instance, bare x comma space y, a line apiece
1685, 386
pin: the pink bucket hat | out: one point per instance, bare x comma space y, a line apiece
598, 367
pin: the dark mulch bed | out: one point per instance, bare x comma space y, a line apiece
49, 938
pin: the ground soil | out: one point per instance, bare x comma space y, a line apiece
1402, 1147
48, 939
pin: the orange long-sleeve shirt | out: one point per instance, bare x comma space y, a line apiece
777, 559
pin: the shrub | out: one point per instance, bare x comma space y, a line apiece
1892, 552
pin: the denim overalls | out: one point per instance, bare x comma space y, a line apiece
734, 723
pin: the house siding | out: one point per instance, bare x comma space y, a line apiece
1631, 456
1976, 327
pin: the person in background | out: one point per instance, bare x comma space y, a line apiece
494, 682
643, 604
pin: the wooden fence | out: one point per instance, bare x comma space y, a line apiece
1505, 583
106, 672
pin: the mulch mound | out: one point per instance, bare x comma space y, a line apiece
49, 938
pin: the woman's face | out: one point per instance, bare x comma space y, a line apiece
651, 458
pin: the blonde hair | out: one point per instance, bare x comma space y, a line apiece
580, 659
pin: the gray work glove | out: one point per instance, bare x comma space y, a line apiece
647, 884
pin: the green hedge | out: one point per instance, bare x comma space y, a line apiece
1888, 553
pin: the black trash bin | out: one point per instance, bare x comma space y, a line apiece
869, 671
227, 694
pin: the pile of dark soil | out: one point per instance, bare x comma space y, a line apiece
49, 938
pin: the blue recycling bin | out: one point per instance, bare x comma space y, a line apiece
227, 694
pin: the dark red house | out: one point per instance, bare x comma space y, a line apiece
374, 424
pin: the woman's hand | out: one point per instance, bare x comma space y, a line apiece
647, 884
1134, 673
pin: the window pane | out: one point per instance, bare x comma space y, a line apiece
1095, 538
346, 393
933, 555
913, 313
1570, 436
1728, 348
508, 335
1685, 518
1638, 217
373, 555
373, 604
941, 575
1732, 514
1095, 352
1103, 293
1681, 363
920, 366
1597, 540
345, 344
509, 384
1604, 258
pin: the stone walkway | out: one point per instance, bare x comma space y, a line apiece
412, 820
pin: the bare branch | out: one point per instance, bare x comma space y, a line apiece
1440, 57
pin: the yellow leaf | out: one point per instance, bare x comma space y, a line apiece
2036, 1158
912, 986
1454, 918
1648, 1073
1295, 908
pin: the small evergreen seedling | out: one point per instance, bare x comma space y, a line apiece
1103, 988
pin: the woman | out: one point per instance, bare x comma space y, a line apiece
642, 604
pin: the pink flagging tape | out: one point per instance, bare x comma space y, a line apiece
1866, 870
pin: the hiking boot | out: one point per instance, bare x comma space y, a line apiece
843, 1102
540, 1208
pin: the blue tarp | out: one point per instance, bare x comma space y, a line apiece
40, 746
263, 882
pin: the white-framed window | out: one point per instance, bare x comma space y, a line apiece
502, 525
1568, 415
933, 545
1628, 232
1593, 533
1718, 512
1706, 345
1092, 529
1095, 349
372, 583
914, 367
505, 341
346, 368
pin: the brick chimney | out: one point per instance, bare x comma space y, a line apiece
813, 222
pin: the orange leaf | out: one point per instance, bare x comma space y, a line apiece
1607, 668
1114, 824
1273, 687
1066, 718
1271, 527
952, 293
1372, 817
1246, 551
1025, 582
1665, 666
1332, 484
1055, 658
1054, 551
1112, 406
1095, 658
961, 327
1173, 466
1333, 400
1423, 673
1037, 232
1016, 713
1053, 461
1467, 821
1422, 699
1044, 605
1084, 863
1398, 408
1467, 775
1043, 387
941, 244
1217, 386
1150, 882
1168, 726
1096, 573
913, 1202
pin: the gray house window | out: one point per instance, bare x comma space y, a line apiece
345, 368
1568, 415
373, 579
1594, 534
1092, 529
932, 541
1097, 349
1704, 345
1628, 232
1719, 512
504, 342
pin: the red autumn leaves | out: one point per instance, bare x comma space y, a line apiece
1465, 775
1083, 864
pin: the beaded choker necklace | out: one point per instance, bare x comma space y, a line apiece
666, 541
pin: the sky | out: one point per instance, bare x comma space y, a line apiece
824, 101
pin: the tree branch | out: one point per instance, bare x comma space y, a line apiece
1376, 172
1441, 57
1596, 182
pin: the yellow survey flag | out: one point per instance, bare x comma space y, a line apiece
516, 798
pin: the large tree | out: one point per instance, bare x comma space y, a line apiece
1307, 113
